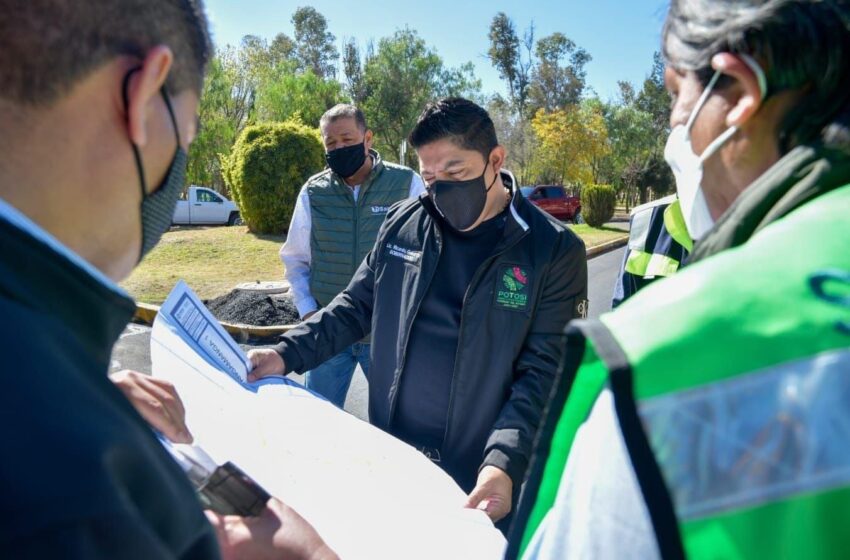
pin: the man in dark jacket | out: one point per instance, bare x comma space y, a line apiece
465, 294
97, 109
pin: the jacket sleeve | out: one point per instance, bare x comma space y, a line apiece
347, 319
563, 298
296, 255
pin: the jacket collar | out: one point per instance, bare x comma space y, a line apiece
804, 173
37, 276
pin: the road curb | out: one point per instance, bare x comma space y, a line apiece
607, 247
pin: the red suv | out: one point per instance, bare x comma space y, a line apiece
554, 200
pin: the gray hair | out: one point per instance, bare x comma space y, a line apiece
804, 44
344, 111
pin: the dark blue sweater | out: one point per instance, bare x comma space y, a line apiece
427, 377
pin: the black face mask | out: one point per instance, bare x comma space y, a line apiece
157, 208
346, 161
461, 202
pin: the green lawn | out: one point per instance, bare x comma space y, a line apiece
212, 260
597, 236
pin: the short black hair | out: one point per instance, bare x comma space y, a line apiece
48, 46
461, 121
344, 111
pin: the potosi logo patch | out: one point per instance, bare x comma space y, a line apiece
512, 288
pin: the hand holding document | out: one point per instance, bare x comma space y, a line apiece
367, 494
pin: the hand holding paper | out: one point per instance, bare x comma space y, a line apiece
157, 401
369, 495
264, 363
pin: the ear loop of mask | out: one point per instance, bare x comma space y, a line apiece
718, 142
495, 176
136, 153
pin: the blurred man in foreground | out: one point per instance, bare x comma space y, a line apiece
98, 107
720, 431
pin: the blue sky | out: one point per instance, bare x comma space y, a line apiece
620, 35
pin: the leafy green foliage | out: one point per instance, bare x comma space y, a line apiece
314, 44
597, 204
558, 79
286, 94
260, 81
398, 81
266, 169
639, 127
217, 131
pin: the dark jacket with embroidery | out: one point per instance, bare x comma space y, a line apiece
514, 312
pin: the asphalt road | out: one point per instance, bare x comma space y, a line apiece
602, 274
133, 349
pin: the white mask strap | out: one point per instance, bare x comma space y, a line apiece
760, 75
701, 101
718, 142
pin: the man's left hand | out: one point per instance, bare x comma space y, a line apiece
157, 401
492, 493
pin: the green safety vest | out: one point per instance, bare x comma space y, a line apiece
654, 254
734, 406
343, 231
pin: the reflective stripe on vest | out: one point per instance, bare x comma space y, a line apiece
648, 265
759, 438
652, 252
674, 223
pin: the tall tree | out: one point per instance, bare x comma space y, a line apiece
516, 135
632, 144
401, 77
281, 49
458, 82
353, 69
654, 100
558, 79
506, 55
571, 141
315, 48
217, 132
653, 97
638, 125
627, 92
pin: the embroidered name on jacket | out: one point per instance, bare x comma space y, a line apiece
403, 253
512, 286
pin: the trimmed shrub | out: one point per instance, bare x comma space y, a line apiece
266, 169
597, 204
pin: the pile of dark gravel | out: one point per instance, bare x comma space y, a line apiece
254, 308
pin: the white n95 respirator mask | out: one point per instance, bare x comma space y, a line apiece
687, 166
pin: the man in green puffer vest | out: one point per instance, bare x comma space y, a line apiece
334, 225
708, 416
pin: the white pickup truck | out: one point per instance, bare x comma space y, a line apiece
200, 205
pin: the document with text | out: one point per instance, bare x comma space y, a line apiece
367, 493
